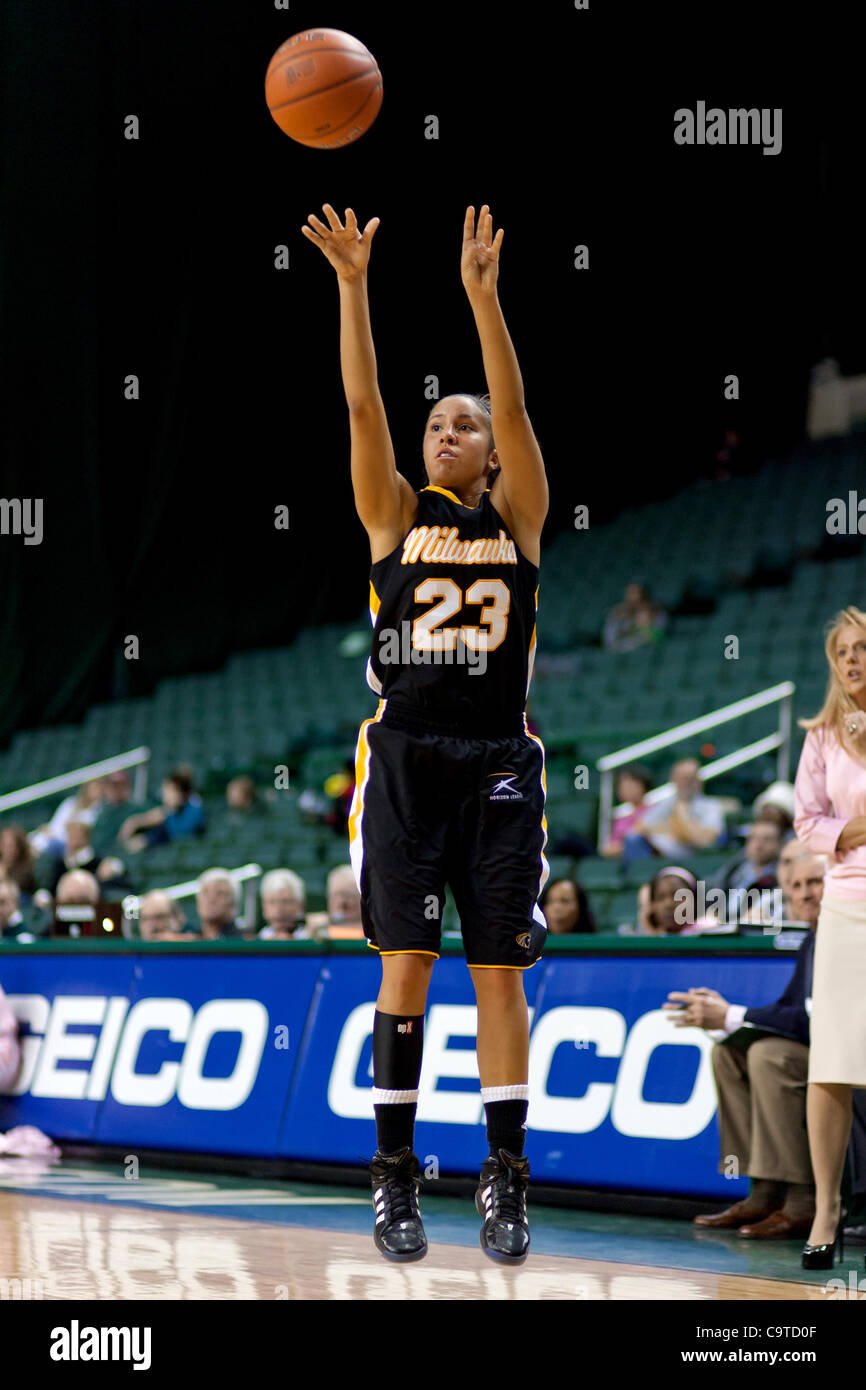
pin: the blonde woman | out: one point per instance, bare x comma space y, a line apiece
830, 803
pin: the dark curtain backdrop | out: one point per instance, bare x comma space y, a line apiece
155, 257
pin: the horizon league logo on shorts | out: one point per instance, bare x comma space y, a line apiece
502, 789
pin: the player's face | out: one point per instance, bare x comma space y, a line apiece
457, 444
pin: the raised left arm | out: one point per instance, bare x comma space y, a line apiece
520, 491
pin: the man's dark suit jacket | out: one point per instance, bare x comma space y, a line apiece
788, 1015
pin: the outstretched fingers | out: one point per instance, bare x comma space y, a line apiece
318, 225
333, 219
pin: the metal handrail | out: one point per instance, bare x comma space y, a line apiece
37, 791
782, 694
246, 875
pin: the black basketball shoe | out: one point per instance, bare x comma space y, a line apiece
501, 1200
398, 1231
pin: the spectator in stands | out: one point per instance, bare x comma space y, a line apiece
667, 904
791, 850
218, 903
17, 860
117, 805
160, 917
755, 866
78, 854
776, 804
760, 1065
77, 888
283, 901
13, 926
684, 819
243, 800
634, 622
632, 785
179, 816
566, 908
340, 788
342, 921
83, 805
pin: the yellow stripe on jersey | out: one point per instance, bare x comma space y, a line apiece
434, 487
374, 604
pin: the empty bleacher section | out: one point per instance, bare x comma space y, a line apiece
749, 558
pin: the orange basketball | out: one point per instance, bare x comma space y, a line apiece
323, 88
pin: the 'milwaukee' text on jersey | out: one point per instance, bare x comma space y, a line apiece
453, 609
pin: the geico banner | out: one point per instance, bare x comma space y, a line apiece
248, 1055
193, 1053
618, 1096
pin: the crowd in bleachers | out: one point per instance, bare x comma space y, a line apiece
95, 849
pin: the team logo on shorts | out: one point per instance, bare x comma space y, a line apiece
524, 940
502, 789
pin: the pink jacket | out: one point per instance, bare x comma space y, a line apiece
830, 789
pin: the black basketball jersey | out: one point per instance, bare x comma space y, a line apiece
453, 609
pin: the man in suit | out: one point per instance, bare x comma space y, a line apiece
761, 1084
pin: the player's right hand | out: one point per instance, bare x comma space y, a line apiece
346, 248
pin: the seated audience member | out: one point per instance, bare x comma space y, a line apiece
634, 622
684, 819
755, 865
632, 785
82, 805
340, 789
776, 804
218, 903
116, 807
13, 924
77, 888
667, 904
760, 1066
791, 850
342, 921
179, 817
242, 800
160, 917
566, 908
17, 860
78, 853
283, 898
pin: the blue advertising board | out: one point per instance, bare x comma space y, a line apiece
272, 1057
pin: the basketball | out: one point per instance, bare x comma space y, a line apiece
323, 88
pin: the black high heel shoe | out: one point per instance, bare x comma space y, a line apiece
824, 1256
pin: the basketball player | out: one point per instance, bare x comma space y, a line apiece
449, 782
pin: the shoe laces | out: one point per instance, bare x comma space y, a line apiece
400, 1196
507, 1199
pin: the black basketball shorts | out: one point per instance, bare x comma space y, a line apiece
429, 810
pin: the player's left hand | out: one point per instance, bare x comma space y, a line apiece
479, 264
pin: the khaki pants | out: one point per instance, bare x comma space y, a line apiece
762, 1109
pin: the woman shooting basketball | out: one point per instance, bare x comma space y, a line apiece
449, 780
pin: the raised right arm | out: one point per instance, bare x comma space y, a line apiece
384, 499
